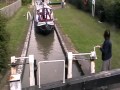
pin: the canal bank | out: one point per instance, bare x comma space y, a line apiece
83, 65
105, 83
85, 32
17, 27
67, 45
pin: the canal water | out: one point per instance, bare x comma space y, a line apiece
45, 48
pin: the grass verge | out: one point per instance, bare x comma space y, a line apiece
55, 1
2, 4
85, 32
17, 26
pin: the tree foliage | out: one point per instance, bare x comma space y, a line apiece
111, 9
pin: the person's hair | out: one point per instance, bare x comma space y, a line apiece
107, 34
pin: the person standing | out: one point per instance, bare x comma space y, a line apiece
106, 50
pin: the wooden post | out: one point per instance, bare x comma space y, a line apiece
15, 81
93, 8
31, 63
35, 71
70, 57
92, 62
13, 69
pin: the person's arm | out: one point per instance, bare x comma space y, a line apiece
105, 48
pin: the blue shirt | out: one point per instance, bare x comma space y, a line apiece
106, 50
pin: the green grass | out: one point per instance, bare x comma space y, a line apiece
55, 1
85, 32
2, 4
17, 26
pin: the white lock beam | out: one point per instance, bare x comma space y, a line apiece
31, 63
70, 57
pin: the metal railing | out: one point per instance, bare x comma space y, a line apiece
55, 69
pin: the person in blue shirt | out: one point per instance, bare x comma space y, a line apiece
106, 50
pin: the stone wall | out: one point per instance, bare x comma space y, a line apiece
10, 10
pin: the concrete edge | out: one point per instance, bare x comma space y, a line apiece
64, 48
89, 82
20, 68
82, 68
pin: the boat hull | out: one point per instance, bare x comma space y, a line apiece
44, 29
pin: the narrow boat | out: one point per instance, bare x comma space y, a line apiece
44, 20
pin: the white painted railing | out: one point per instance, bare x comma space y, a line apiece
71, 57
52, 73
15, 78
29, 16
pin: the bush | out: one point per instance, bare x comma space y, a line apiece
99, 6
75, 2
106, 10
109, 10
25, 2
112, 11
117, 13
4, 51
80, 4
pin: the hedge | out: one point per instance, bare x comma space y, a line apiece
25, 2
4, 50
106, 10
